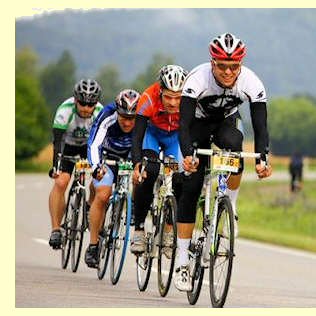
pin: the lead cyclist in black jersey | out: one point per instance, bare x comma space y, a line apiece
209, 106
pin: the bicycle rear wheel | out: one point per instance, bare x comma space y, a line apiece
143, 266
166, 256
78, 223
121, 228
66, 226
222, 254
105, 242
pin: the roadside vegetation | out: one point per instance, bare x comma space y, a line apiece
269, 212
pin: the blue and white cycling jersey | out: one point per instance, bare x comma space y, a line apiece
106, 134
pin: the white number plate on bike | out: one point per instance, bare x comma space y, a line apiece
123, 172
223, 163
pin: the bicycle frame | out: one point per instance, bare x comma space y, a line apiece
163, 190
209, 223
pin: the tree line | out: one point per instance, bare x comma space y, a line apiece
40, 89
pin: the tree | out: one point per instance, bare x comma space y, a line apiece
58, 79
31, 113
292, 125
109, 79
150, 75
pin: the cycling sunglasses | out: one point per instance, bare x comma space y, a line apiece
88, 104
223, 67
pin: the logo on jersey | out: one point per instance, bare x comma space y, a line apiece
80, 132
189, 91
260, 95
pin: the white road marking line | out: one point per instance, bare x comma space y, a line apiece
40, 241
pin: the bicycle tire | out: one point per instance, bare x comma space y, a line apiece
121, 228
105, 243
143, 266
77, 230
168, 212
66, 225
223, 247
197, 275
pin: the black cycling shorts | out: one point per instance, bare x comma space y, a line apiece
68, 166
226, 135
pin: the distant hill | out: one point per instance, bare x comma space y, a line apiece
281, 42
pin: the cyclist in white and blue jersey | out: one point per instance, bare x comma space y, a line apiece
71, 127
112, 132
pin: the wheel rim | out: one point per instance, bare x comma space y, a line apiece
221, 261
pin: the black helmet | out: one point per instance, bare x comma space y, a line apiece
126, 102
87, 91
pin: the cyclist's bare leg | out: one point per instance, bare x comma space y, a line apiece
57, 199
185, 230
234, 181
168, 228
92, 193
233, 184
97, 211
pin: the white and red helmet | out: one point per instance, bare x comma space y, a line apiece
126, 102
227, 46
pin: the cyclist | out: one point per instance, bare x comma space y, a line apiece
112, 132
209, 106
71, 127
157, 124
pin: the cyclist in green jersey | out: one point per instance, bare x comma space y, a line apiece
71, 128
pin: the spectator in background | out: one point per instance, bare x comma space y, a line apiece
296, 171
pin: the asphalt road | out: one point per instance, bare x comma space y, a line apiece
263, 275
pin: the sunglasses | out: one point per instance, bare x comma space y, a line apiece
88, 104
223, 67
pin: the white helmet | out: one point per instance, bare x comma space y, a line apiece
172, 77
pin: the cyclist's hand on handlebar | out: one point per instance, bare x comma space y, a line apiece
99, 172
263, 170
188, 165
136, 174
53, 173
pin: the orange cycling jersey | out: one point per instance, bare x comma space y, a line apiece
150, 105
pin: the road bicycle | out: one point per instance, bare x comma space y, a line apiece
160, 221
75, 220
114, 236
212, 243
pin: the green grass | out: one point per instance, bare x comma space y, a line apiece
268, 212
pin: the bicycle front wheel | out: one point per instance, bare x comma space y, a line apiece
120, 235
222, 254
105, 242
167, 245
78, 223
66, 226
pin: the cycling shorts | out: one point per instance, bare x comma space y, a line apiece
168, 141
69, 150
